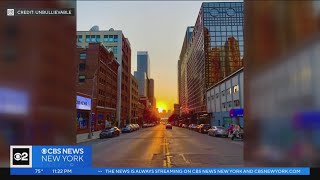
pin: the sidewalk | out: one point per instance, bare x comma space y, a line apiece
84, 137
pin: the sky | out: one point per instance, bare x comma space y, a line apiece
153, 26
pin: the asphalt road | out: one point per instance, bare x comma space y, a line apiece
160, 147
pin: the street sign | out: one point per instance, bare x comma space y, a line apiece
236, 112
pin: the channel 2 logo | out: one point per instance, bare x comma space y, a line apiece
20, 156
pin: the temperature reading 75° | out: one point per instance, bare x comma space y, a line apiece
38, 171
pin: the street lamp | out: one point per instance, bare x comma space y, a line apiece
90, 118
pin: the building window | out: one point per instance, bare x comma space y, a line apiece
236, 88
230, 104
222, 93
217, 95
83, 56
98, 37
224, 105
115, 50
236, 103
87, 38
82, 66
80, 38
82, 78
93, 38
110, 38
115, 38
230, 91
105, 38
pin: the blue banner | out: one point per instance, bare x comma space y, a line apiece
160, 171
61, 156
50, 156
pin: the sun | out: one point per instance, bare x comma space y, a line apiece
161, 106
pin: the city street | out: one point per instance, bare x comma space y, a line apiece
160, 147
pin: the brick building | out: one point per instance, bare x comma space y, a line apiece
97, 79
115, 41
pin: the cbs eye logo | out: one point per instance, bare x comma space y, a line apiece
21, 156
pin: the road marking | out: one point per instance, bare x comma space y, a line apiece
168, 161
184, 158
166, 153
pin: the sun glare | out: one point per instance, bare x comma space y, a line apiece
161, 106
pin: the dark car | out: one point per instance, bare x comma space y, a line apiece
127, 129
168, 126
110, 132
203, 128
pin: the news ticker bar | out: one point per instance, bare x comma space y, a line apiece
41, 12
160, 171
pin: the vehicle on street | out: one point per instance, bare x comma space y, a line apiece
168, 126
192, 126
184, 126
218, 131
110, 132
127, 129
137, 126
196, 128
203, 128
134, 127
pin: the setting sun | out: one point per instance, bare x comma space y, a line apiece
161, 106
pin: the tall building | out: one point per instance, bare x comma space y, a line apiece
142, 79
151, 92
143, 72
143, 62
134, 100
116, 42
176, 109
97, 80
215, 50
182, 70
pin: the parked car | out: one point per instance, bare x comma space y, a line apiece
218, 131
127, 129
184, 126
137, 126
110, 132
168, 126
192, 126
133, 127
196, 128
203, 128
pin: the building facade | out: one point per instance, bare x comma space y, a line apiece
176, 109
224, 96
182, 71
143, 62
97, 78
142, 79
151, 92
116, 42
143, 72
134, 100
214, 52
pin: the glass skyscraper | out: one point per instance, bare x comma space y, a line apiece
214, 52
143, 72
143, 62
